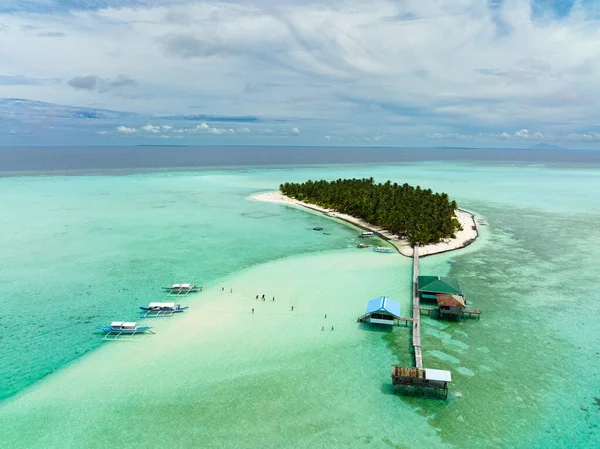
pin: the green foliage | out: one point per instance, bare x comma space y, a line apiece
421, 216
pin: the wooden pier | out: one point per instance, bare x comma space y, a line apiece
417, 378
416, 339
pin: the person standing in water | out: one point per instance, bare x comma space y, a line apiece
292, 308
331, 327
253, 311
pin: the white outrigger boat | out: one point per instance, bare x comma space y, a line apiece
366, 234
383, 249
182, 289
118, 329
162, 309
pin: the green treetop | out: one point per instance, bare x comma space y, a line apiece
420, 216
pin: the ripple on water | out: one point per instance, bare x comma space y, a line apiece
465, 371
438, 334
443, 356
457, 343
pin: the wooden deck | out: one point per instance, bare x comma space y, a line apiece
472, 312
406, 319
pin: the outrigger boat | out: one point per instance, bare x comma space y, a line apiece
162, 309
366, 234
362, 245
118, 329
182, 289
383, 249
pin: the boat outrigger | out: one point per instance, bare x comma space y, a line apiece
118, 329
162, 309
383, 249
366, 234
182, 289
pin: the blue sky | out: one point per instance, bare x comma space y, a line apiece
489, 73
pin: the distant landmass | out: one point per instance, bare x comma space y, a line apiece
546, 146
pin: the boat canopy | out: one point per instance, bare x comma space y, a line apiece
123, 324
383, 304
186, 285
161, 304
176, 286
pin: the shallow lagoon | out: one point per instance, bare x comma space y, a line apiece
91, 249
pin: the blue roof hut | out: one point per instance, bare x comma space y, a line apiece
382, 310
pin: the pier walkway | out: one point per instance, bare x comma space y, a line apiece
416, 339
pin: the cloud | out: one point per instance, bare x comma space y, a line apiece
150, 128
187, 46
51, 34
585, 137
296, 131
526, 135
102, 133
167, 127
95, 83
523, 134
126, 130
22, 80
463, 70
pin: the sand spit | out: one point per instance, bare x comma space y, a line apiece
463, 238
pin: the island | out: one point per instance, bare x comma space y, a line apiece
404, 215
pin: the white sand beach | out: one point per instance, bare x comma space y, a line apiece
462, 239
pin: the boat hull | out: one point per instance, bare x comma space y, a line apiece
139, 330
164, 309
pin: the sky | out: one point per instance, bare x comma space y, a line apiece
470, 73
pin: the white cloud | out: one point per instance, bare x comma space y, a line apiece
151, 128
523, 134
451, 63
296, 131
126, 130
327, 137
167, 127
102, 133
202, 127
585, 137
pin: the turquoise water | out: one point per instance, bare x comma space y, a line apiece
80, 251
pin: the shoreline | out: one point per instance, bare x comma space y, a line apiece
463, 238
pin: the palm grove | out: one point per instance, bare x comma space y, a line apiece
420, 216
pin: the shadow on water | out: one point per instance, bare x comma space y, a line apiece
379, 328
387, 388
